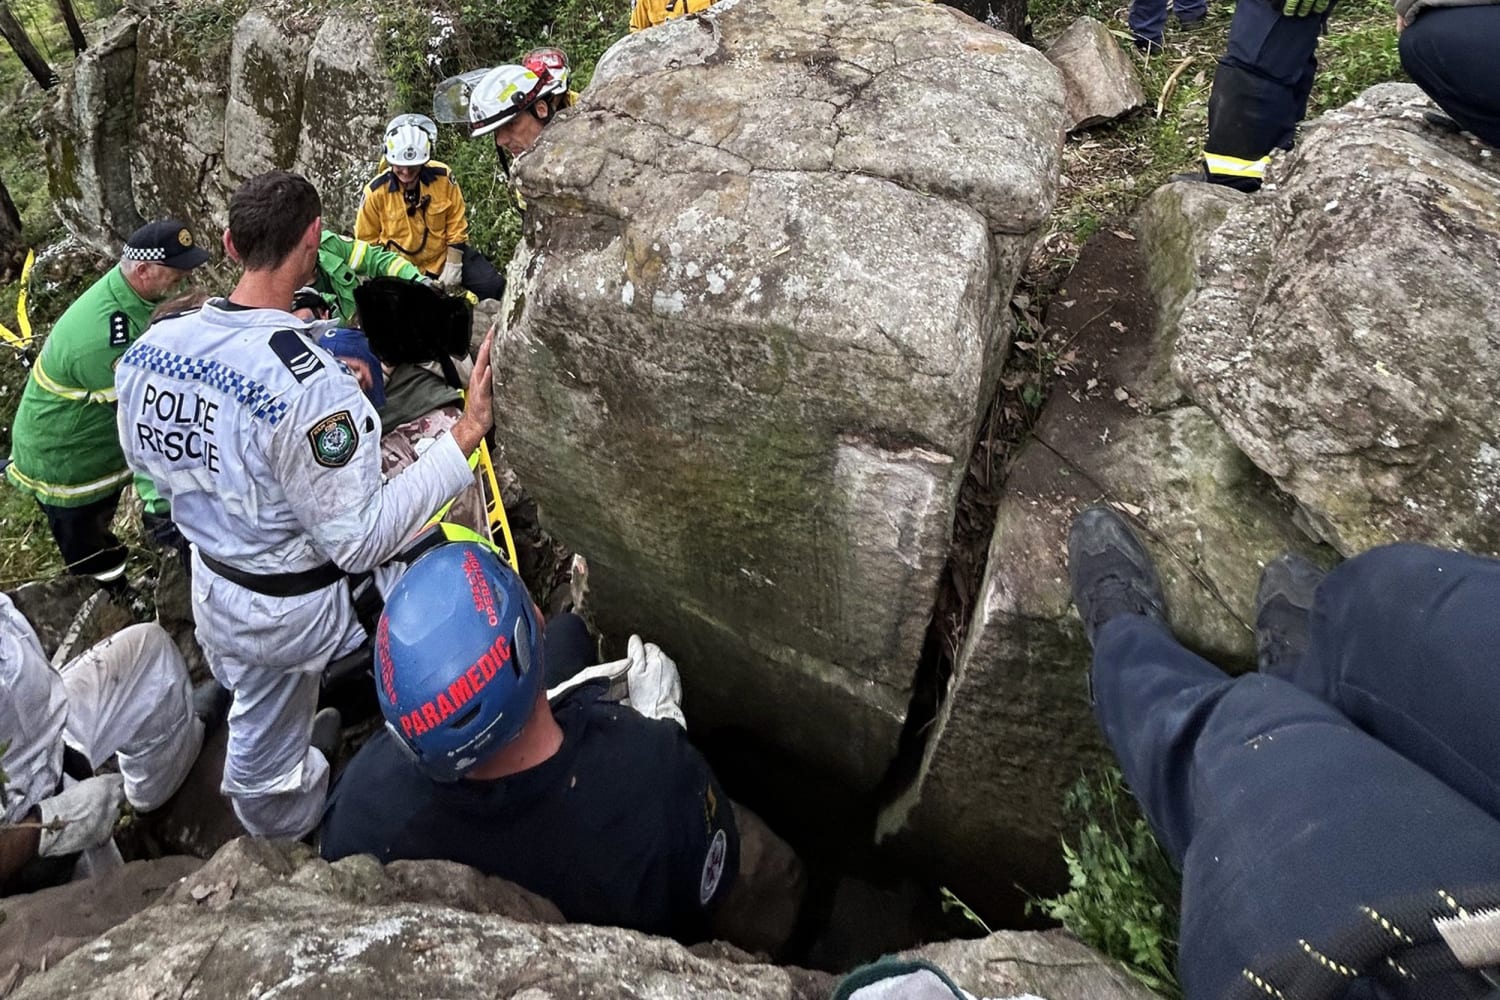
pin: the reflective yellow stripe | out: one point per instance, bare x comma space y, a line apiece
358, 253
68, 492
393, 269
1233, 166
69, 392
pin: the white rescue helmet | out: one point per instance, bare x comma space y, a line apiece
505, 92
409, 139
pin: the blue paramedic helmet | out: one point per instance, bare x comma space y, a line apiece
457, 657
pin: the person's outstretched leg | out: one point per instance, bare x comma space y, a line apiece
1405, 641
1284, 817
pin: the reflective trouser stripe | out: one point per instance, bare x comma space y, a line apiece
69, 392
1233, 166
54, 491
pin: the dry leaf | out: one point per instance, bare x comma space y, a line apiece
1122, 234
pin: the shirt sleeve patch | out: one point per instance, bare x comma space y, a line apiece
713, 867
296, 353
334, 440
119, 330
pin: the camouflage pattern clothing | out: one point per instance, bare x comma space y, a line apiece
403, 444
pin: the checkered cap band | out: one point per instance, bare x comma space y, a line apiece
143, 253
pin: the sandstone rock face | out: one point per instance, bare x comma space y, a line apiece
1342, 328
41, 927
1017, 730
748, 341
161, 118
268, 918
1099, 77
89, 125
263, 117
346, 94
178, 138
265, 919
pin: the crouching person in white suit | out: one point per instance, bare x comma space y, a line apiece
127, 697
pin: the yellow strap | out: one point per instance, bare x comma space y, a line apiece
69, 392
21, 315
1233, 166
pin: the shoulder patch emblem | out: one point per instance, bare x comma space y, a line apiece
296, 353
119, 330
713, 868
334, 440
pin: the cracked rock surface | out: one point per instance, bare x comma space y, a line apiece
751, 330
264, 919
1341, 328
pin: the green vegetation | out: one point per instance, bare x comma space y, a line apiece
1122, 895
488, 33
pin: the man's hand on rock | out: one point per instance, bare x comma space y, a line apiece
479, 412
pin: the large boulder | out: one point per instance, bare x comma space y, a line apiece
1017, 731
263, 117
87, 128
265, 919
181, 84
37, 929
1342, 328
166, 114
749, 339
347, 93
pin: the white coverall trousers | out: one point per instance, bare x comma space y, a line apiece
130, 696
271, 652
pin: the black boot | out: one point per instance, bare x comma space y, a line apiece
210, 705
1283, 609
1111, 572
327, 733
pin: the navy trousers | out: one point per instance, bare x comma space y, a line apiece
1260, 88
1148, 18
1367, 772
1450, 53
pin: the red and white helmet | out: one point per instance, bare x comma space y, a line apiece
506, 91
549, 61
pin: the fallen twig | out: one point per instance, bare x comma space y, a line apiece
1166, 90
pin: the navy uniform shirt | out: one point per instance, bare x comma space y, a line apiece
624, 825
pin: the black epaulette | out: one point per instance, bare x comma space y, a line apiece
296, 353
386, 179
119, 329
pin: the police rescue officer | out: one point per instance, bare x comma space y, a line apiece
64, 450
269, 454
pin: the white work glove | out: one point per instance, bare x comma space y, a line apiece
654, 684
85, 814
452, 277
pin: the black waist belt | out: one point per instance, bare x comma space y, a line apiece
306, 581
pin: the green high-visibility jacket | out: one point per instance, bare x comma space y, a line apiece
65, 448
343, 261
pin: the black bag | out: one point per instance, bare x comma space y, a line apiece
407, 322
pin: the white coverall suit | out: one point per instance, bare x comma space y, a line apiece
128, 696
270, 456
